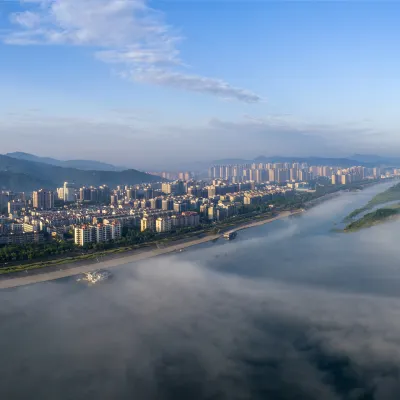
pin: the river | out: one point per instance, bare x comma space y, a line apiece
287, 310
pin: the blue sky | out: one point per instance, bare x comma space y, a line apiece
153, 83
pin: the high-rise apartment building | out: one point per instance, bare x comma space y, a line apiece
345, 179
15, 206
304, 175
60, 193
114, 199
282, 175
184, 176
271, 175
376, 172
43, 199
261, 175
97, 233
175, 188
148, 223
84, 194
69, 192
293, 174
167, 204
163, 224
85, 234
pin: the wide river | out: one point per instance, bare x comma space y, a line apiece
287, 310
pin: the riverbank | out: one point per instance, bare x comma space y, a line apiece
107, 262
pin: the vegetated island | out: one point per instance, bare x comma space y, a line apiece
391, 194
374, 218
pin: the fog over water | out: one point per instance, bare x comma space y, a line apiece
288, 310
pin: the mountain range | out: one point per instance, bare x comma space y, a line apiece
24, 175
373, 158
89, 165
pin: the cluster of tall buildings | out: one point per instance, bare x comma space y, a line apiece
344, 176
289, 172
17, 200
92, 194
160, 207
70, 192
43, 199
261, 172
174, 188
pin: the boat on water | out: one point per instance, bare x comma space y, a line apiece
230, 235
97, 276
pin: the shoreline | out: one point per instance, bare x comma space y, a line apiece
74, 269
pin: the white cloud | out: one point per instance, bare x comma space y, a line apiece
124, 32
26, 19
194, 83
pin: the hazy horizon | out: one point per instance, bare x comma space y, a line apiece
196, 164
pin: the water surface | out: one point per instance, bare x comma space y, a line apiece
288, 310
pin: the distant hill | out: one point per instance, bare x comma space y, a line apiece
373, 158
21, 182
17, 174
78, 164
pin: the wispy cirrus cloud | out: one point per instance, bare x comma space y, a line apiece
128, 33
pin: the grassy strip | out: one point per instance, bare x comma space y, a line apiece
53, 263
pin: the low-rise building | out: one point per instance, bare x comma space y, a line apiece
22, 238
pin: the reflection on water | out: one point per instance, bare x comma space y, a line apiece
288, 310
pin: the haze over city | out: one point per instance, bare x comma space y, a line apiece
188, 80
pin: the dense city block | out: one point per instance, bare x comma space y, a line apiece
87, 216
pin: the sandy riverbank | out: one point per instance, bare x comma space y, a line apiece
8, 282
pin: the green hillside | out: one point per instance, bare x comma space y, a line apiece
25, 175
78, 164
21, 182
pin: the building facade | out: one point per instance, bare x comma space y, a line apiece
43, 199
97, 233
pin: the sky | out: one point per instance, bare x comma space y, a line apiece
154, 84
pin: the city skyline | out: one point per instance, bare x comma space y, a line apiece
105, 216
134, 82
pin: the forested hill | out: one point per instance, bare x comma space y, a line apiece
27, 175
91, 165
